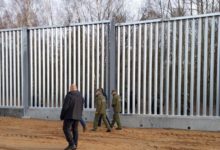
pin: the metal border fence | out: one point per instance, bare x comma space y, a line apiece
159, 67
60, 56
169, 67
10, 72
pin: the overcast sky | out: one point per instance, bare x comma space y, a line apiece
134, 6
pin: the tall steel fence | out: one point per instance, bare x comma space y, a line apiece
60, 56
169, 67
10, 68
160, 67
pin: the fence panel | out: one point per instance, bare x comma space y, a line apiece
173, 68
10, 68
60, 56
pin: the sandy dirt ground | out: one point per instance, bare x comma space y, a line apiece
32, 134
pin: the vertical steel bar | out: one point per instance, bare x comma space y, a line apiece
31, 67
18, 66
205, 69
168, 69
123, 71
65, 61
6, 66
1, 56
180, 66
212, 67
35, 68
162, 68
103, 55
93, 64
88, 65
1, 99
69, 57
129, 69
218, 71
14, 69
111, 59
192, 68
79, 58
3, 70
118, 66
1, 75
83, 63
174, 68
52, 67
74, 54
186, 67
156, 69
39, 68
44, 71
145, 70
150, 70
61, 67
199, 67
134, 70
56, 67
48, 67
25, 80
97, 57
10, 68
139, 70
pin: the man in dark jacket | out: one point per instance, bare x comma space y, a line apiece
71, 113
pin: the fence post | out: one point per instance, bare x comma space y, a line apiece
112, 60
25, 74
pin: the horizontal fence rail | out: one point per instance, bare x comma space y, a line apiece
60, 56
10, 68
169, 67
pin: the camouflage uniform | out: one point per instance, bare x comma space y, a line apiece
116, 104
100, 111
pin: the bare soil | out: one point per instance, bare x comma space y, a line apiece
32, 134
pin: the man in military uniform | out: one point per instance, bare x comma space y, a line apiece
116, 104
100, 110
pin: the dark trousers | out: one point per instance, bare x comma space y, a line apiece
83, 123
70, 129
100, 120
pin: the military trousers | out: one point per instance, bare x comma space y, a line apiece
116, 119
96, 119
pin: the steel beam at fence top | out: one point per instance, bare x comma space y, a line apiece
169, 19
71, 25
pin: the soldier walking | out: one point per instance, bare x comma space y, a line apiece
116, 104
100, 111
